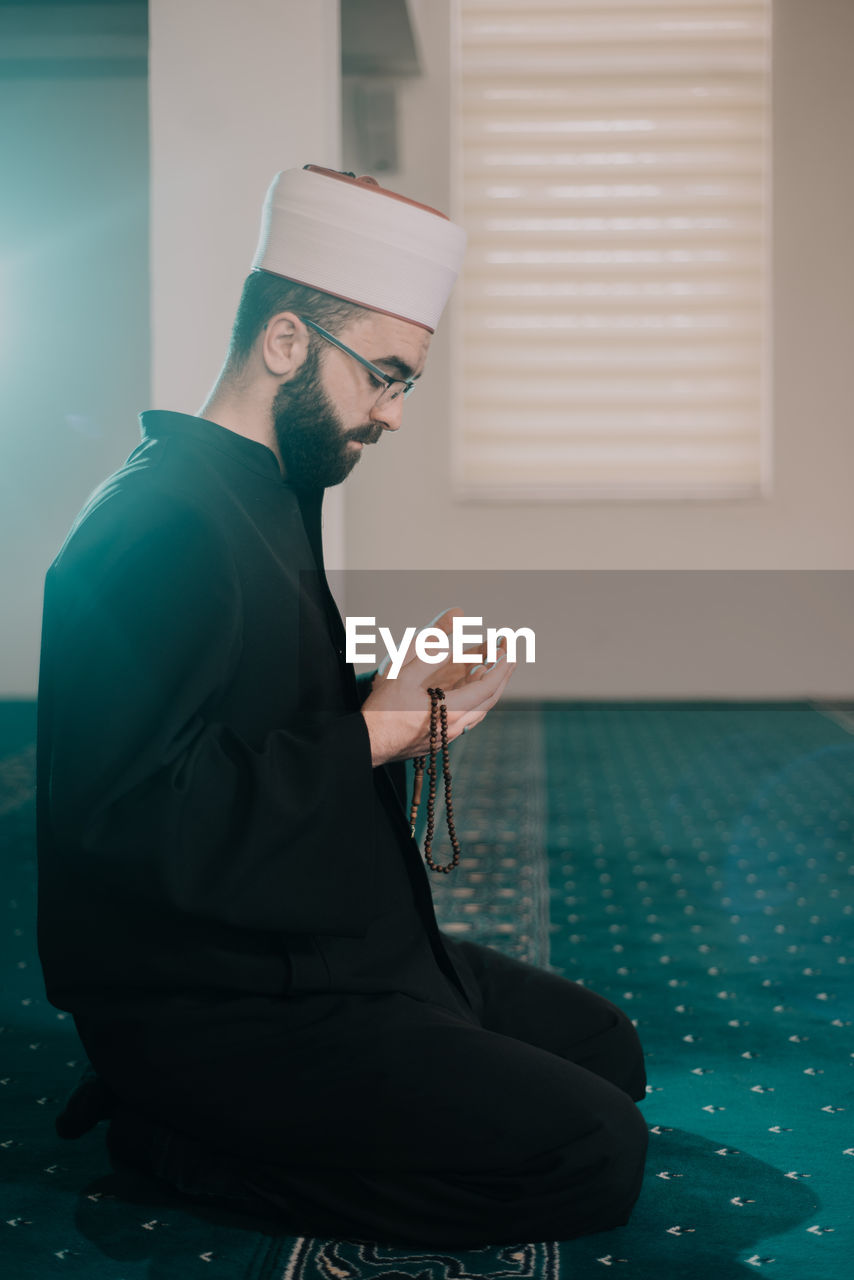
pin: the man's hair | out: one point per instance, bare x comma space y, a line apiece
265, 295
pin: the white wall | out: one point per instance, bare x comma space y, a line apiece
402, 513
237, 92
241, 90
73, 316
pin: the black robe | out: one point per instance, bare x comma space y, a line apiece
209, 819
232, 906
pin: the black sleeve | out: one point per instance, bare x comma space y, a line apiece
397, 769
153, 796
364, 682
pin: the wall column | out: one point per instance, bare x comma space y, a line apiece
237, 92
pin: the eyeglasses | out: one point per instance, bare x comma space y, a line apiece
391, 388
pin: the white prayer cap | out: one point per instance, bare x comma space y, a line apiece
356, 240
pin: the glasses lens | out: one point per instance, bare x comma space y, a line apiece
392, 392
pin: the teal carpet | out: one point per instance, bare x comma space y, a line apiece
692, 862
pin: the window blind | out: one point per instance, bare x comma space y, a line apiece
612, 321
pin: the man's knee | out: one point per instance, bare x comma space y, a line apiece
629, 1058
616, 1055
601, 1192
625, 1146
590, 1184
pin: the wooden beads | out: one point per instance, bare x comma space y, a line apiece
438, 728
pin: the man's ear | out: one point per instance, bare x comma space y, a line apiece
284, 345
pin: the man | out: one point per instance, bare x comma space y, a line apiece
231, 903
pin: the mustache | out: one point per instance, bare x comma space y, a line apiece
367, 435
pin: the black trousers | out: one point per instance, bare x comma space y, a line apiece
386, 1118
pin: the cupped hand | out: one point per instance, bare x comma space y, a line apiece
397, 711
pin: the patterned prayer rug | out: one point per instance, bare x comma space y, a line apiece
692, 862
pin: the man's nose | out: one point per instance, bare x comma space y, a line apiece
388, 414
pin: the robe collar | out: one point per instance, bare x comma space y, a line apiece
157, 423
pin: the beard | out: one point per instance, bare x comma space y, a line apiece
309, 433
